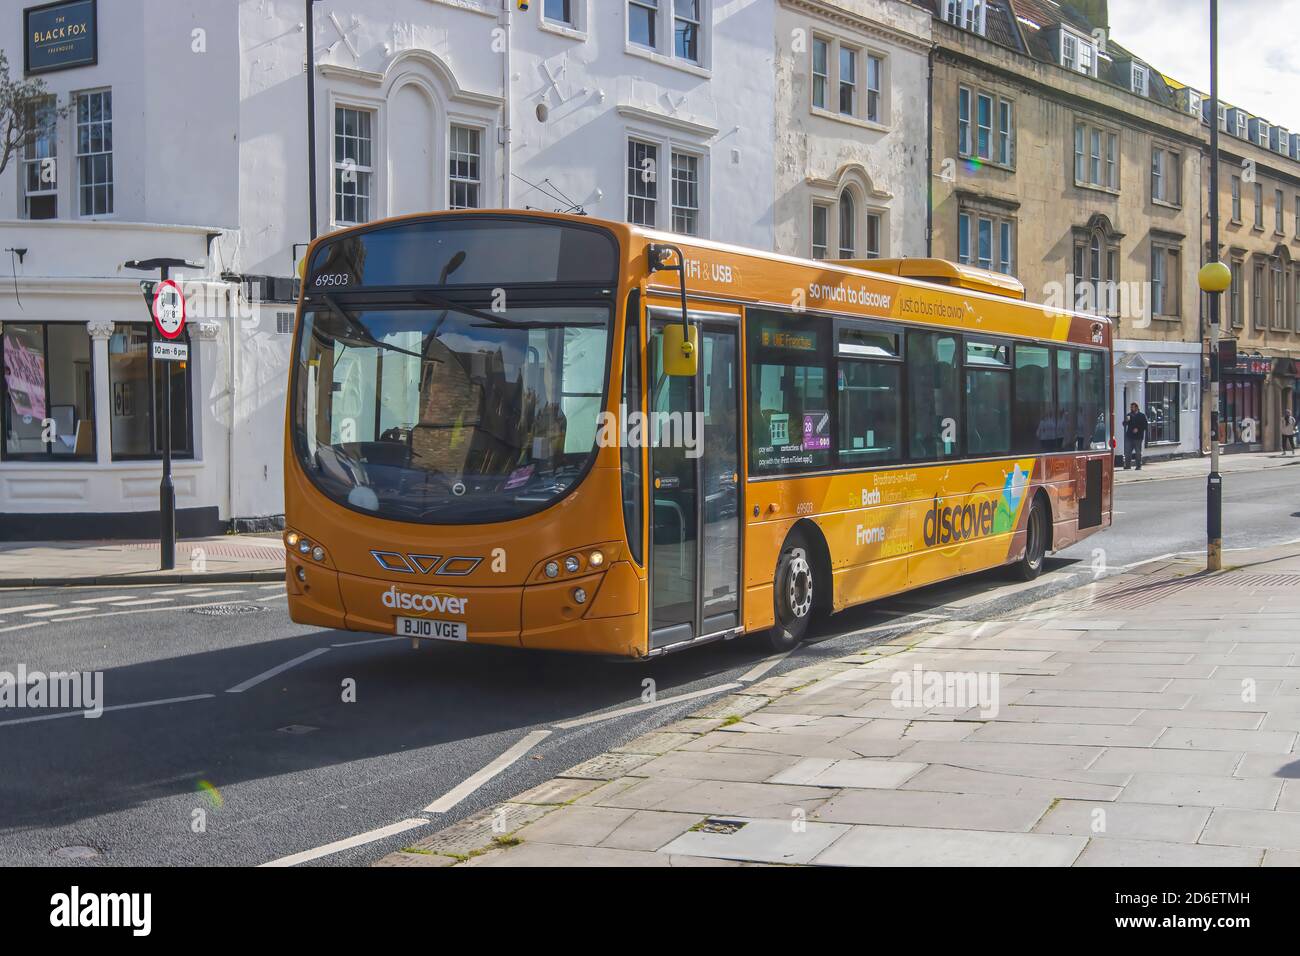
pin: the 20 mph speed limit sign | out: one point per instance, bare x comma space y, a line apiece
168, 309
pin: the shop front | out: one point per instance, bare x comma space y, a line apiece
1164, 379
1244, 421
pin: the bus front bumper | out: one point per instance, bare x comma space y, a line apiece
541, 616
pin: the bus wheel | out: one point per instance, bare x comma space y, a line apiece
1030, 564
794, 590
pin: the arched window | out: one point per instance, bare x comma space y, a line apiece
848, 226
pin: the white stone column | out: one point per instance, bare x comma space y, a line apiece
100, 332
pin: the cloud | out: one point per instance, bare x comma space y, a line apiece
1258, 63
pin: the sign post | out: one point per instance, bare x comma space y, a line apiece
167, 308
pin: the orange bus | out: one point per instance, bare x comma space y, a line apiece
551, 431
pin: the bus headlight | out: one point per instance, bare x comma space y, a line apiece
291, 539
552, 569
301, 573
572, 564
318, 553
304, 546
580, 595
595, 559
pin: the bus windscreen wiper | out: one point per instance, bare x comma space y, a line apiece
359, 331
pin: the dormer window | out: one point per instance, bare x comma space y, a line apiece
1242, 124
967, 14
1223, 118
1078, 53
1139, 78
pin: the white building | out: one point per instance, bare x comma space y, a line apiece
186, 138
852, 120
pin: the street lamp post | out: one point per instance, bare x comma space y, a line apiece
1214, 278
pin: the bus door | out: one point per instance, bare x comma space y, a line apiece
695, 491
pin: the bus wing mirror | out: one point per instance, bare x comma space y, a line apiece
681, 342
681, 350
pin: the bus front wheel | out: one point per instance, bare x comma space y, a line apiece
1030, 564
795, 588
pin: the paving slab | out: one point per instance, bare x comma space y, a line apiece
1140, 759
861, 773
1097, 735
962, 811
1233, 826
717, 796
966, 780
763, 841
1150, 853
867, 845
1120, 820
1200, 790
1245, 741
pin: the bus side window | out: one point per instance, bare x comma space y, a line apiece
933, 395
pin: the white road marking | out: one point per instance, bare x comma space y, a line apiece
463, 790
278, 669
25, 607
360, 839
185, 590
271, 587
141, 610
276, 597
20, 627
1138, 564
763, 666
135, 602
82, 713
207, 594
373, 640
57, 612
110, 599
662, 702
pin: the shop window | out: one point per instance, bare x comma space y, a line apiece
137, 388
48, 392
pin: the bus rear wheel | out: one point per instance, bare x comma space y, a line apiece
1030, 564
795, 588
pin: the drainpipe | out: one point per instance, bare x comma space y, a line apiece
234, 295
507, 16
929, 152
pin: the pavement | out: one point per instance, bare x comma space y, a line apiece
1155, 469
1148, 718
247, 557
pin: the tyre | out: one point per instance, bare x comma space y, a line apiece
795, 588
1030, 564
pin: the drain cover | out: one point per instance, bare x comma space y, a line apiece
76, 853
227, 610
724, 827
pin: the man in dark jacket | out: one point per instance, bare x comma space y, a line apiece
1135, 435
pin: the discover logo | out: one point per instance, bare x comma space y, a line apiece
436, 603
134, 910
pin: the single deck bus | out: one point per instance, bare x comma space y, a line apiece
551, 431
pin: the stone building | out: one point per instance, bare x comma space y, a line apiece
851, 126
1061, 158
1259, 239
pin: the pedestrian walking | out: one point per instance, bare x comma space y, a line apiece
1135, 434
1288, 432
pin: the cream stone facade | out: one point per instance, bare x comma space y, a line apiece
1047, 173
851, 125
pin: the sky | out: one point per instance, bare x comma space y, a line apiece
1259, 49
